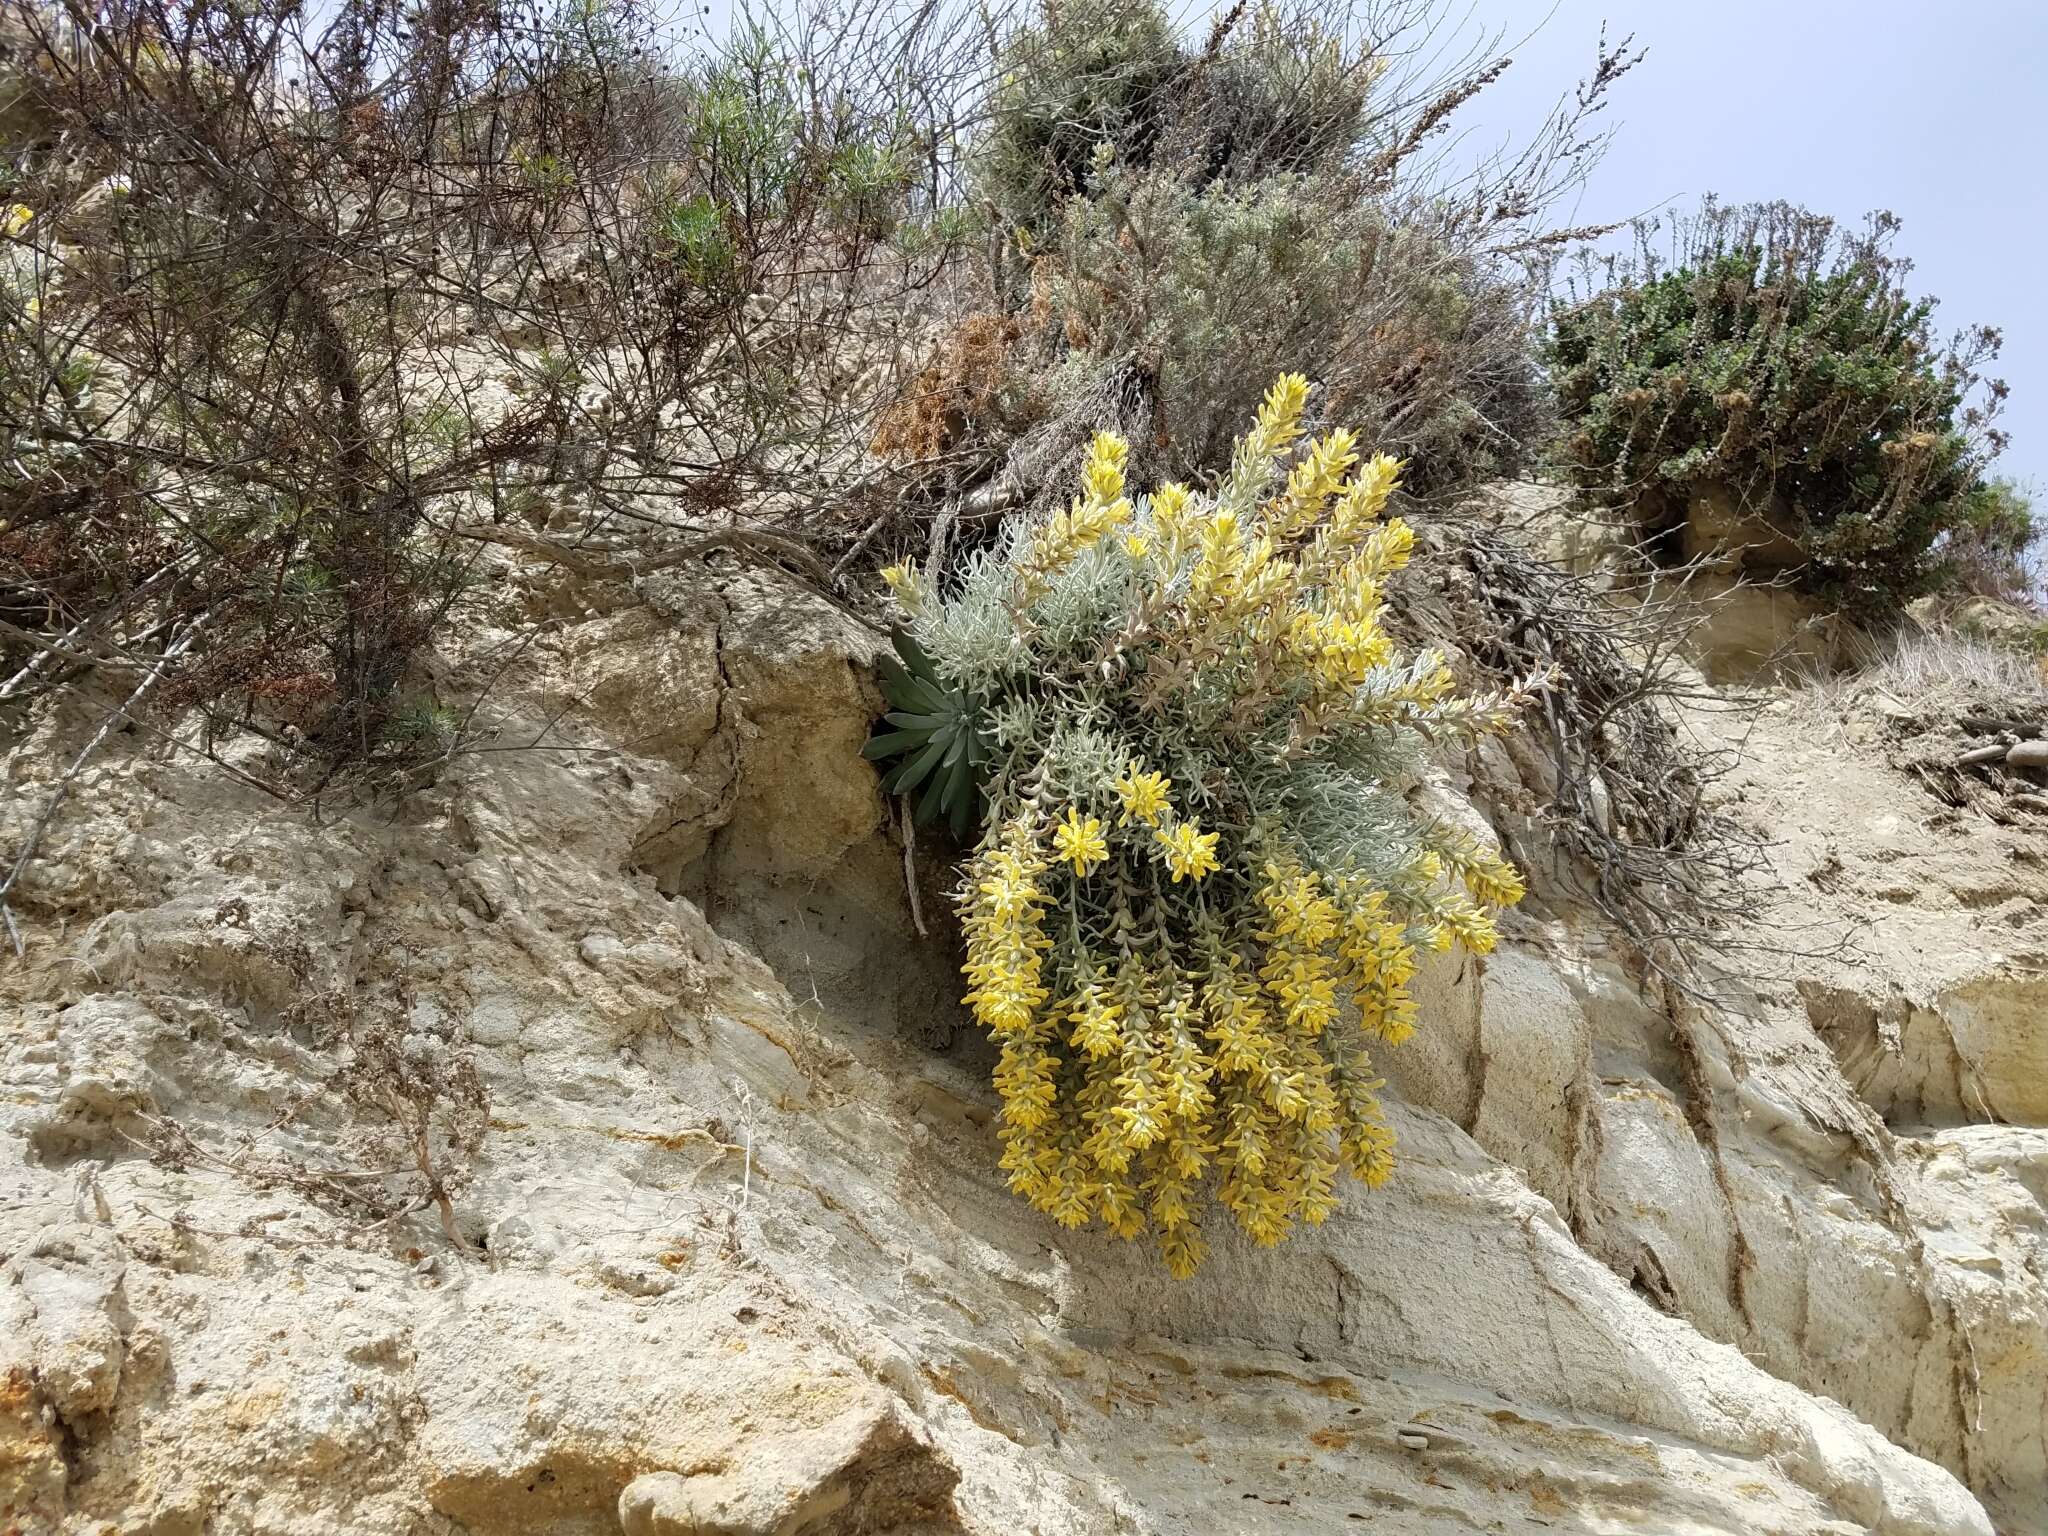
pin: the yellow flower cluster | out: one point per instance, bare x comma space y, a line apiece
1190, 1008
1079, 841
1171, 524
1491, 879
1180, 845
1183, 1070
1006, 943
1378, 961
1278, 423
1311, 484
904, 585
1181, 1065
1190, 852
1067, 535
1143, 795
1289, 595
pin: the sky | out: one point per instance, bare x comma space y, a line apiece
1934, 111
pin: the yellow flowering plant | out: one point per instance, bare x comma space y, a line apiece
1200, 892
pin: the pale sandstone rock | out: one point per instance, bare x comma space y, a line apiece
1549, 522
1724, 533
865, 1470
32, 1470
1745, 621
2002, 623
1748, 630
70, 1276
745, 1255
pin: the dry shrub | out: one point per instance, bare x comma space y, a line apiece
1622, 802
1926, 672
1410, 332
301, 315
963, 383
1947, 709
1918, 665
590, 280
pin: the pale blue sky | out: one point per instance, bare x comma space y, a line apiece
1934, 111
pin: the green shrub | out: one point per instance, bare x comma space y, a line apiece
1779, 363
1197, 213
1200, 889
865, 180
1994, 547
1098, 74
1112, 77
690, 233
1423, 345
742, 124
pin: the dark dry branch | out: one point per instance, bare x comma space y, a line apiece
1630, 797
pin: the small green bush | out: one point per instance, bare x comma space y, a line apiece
690, 233
1098, 74
1198, 212
1200, 890
1994, 548
1779, 363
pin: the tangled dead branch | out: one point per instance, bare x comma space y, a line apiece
1629, 798
114, 717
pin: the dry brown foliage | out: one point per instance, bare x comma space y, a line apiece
957, 387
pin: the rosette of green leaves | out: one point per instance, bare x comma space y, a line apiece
937, 740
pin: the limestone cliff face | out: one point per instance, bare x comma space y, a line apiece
735, 1256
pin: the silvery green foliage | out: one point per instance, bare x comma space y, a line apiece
1347, 812
1342, 802
1083, 754
972, 634
1199, 888
1072, 618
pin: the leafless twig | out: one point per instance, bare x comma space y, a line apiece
33, 837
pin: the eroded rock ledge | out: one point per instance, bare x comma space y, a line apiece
742, 1261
